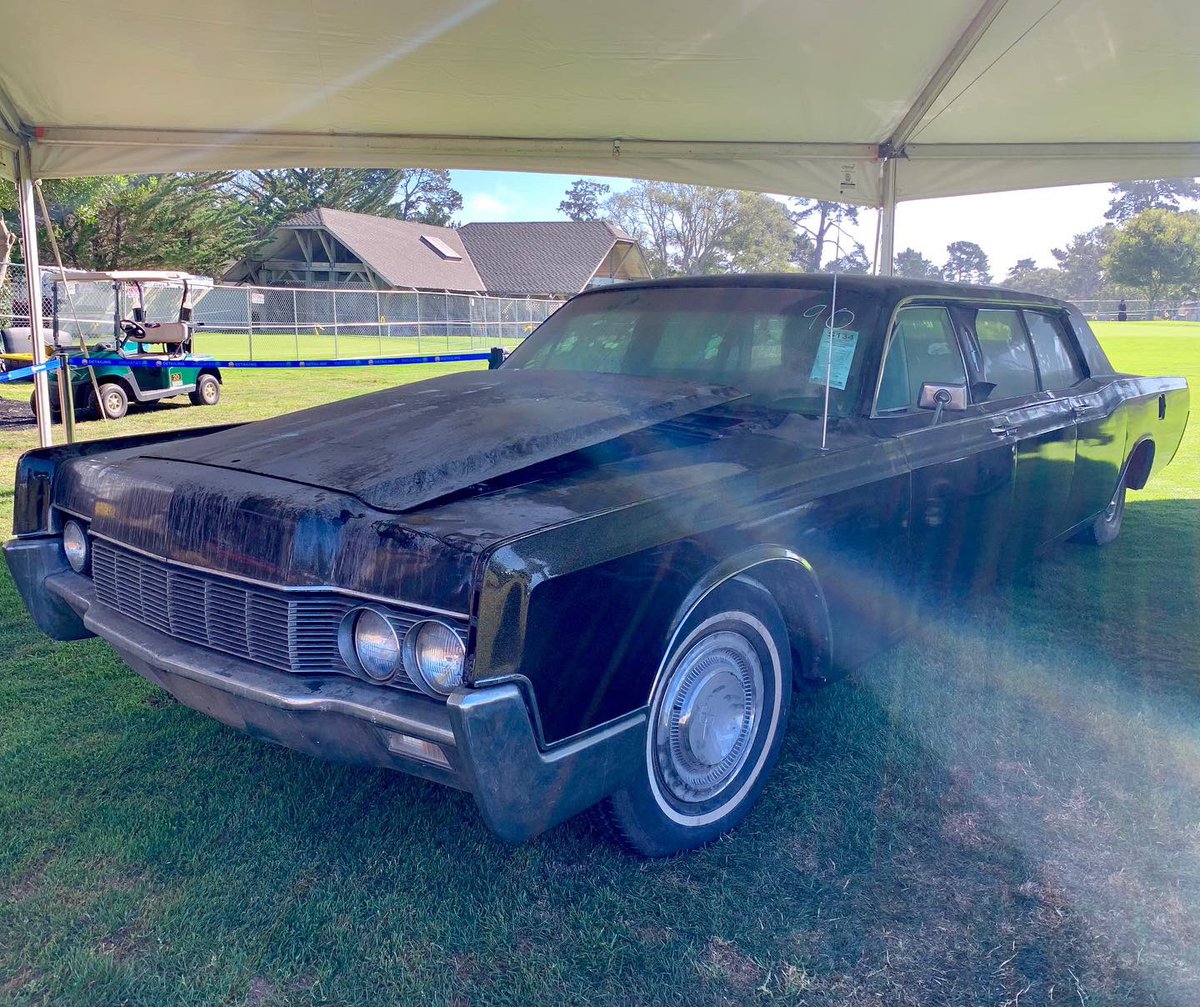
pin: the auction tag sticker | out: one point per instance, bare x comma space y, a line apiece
844, 341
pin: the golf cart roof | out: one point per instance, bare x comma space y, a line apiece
128, 275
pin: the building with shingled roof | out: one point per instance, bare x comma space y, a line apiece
337, 248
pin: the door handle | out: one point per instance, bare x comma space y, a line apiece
1003, 427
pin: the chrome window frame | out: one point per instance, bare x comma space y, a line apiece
946, 301
911, 302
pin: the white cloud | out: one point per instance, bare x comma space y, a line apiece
485, 206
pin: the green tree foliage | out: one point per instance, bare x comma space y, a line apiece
914, 266
854, 261
1020, 269
1082, 263
267, 198
582, 200
1131, 198
966, 262
690, 229
1158, 252
818, 220
425, 195
140, 221
1044, 280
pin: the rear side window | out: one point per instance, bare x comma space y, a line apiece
1007, 358
923, 348
1057, 361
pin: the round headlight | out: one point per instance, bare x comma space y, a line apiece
376, 645
434, 651
75, 545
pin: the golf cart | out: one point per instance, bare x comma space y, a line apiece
106, 389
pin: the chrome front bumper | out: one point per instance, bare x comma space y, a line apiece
486, 737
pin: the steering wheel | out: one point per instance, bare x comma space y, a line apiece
134, 330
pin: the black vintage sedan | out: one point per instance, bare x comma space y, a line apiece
595, 575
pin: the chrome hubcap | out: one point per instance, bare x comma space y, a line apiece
707, 720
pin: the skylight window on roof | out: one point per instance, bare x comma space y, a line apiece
442, 249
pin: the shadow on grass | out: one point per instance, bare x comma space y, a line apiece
1002, 807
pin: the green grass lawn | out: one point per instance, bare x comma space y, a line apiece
1001, 811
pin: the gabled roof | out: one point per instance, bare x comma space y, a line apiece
394, 249
546, 257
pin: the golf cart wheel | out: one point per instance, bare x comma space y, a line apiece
207, 393
717, 717
55, 410
113, 402
1107, 525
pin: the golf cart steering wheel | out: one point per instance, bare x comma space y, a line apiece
133, 330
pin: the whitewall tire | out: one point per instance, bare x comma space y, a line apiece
717, 717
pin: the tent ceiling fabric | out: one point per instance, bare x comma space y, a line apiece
787, 96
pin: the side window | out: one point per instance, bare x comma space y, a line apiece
1057, 362
1007, 359
923, 348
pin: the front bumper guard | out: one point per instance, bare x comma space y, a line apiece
486, 734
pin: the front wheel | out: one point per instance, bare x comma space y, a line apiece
207, 393
1106, 526
718, 715
113, 401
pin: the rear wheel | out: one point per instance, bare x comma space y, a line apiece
55, 409
113, 401
717, 720
207, 393
1106, 526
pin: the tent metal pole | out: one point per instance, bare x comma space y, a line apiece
33, 287
887, 218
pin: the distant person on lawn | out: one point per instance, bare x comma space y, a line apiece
1122, 311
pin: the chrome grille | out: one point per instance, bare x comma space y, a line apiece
283, 630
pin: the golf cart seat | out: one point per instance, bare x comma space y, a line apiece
17, 340
172, 334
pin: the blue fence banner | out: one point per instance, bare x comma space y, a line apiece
28, 372
430, 358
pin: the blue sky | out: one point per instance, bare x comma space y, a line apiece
1009, 225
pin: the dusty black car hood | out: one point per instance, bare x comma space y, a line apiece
399, 449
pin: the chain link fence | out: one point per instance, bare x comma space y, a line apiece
1137, 310
291, 323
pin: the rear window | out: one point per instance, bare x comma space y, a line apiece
1058, 363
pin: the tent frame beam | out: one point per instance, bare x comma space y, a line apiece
963, 47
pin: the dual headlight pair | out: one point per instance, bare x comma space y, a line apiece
431, 651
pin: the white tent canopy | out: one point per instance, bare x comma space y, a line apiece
866, 101
787, 96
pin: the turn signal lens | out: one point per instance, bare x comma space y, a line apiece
75, 545
436, 653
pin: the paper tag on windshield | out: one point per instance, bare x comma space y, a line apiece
844, 341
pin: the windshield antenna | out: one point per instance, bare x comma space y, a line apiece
829, 353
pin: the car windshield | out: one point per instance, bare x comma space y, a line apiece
773, 343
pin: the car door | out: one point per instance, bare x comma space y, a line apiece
1038, 424
961, 472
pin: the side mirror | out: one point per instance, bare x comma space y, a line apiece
942, 397
496, 357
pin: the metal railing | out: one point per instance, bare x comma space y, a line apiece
1137, 310
292, 323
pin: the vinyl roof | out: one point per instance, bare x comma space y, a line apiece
787, 96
